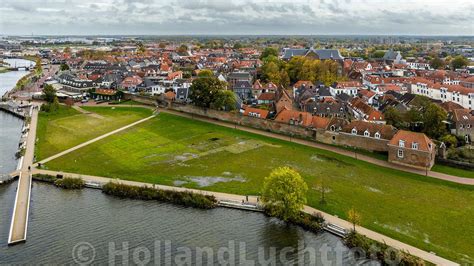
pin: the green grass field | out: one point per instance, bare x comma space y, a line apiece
428, 213
67, 127
452, 171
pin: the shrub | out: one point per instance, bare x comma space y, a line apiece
313, 223
70, 183
380, 251
45, 178
185, 198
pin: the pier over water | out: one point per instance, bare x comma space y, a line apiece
19, 223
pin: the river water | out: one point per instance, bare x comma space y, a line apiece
10, 126
61, 219
69, 227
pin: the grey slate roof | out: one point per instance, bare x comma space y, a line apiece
243, 84
390, 55
323, 54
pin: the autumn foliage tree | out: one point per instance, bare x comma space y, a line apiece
204, 91
284, 193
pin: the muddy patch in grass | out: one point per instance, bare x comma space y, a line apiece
206, 181
374, 189
333, 160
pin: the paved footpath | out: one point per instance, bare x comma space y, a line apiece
253, 199
19, 221
94, 140
451, 178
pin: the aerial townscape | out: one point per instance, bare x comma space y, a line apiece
192, 149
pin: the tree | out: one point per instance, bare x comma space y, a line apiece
141, 48
433, 118
459, 62
284, 193
322, 187
378, 54
225, 99
270, 72
204, 90
238, 45
64, 67
284, 79
38, 67
393, 117
449, 140
437, 63
67, 50
354, 217
205, 73
162, 45
269, 51
49, 93
314, 70
182, 49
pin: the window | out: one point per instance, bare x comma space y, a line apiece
401, 143
414, 146
377, 135
366, 133
333, 128
400, 154
354, 131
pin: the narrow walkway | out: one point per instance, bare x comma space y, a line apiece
252, 199
93, 140
451, 178
19, 223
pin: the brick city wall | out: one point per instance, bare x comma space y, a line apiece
344, 139
237, 118
142, 99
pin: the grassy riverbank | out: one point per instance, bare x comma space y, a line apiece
431, 214
68, 127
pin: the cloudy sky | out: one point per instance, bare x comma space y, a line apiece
425, 17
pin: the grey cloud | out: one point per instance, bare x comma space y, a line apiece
236, 16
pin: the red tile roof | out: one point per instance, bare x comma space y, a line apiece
263, 113
320, 122
424, 143
301, 118
386, 131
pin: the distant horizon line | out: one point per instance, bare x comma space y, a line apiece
225, 34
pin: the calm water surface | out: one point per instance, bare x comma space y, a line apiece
61, 219
9, 79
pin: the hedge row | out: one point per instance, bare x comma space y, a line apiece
313, 223
66, 182
381, 251
188, 199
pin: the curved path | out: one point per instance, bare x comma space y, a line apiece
427, 256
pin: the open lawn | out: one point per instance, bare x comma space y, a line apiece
428, 213
67, 127
452, 171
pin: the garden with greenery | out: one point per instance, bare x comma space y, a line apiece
431, 214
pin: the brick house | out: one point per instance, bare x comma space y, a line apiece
463, 120
411, 149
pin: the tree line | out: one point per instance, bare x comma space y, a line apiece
284, 73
